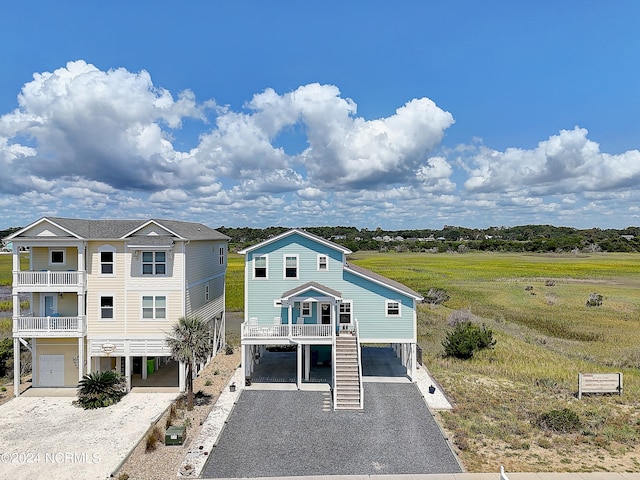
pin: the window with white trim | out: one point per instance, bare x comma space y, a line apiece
323, 263
57, 256
221, 255
106, 263
305, 310
291, 266
260, 266
154, 263
206, 293
106, 307
392, 308
345, 312
154, 307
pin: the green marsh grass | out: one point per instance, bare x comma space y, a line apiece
546, 335
234, 295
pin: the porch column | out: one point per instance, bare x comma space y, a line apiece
16, 366
182, 376
411, 367
299, 365
144, 368
307, 364
127, 371
243, 361
80, 358
89, 360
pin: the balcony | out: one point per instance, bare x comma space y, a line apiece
286, 332
53, 326
47, 280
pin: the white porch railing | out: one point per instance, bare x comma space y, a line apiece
48, 278
357, 335
285, 331
49, 326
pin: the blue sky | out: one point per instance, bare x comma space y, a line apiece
413, 114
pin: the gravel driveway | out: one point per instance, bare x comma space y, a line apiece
288, 433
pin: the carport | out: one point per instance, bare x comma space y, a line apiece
379, 363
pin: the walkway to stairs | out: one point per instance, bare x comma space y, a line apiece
347, 383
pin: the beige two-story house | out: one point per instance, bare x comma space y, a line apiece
104, 294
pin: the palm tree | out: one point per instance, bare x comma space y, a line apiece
190, 342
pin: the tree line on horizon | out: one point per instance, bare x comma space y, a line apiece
524, 238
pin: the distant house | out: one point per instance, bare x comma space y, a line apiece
301, 291
628, 237
105, 293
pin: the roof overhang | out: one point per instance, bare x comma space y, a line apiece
304, 289
303, 233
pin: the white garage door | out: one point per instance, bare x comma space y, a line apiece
51, 371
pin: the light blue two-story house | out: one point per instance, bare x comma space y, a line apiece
301, 291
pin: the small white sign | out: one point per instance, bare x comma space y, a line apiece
599, 383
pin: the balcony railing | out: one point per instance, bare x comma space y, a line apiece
48, 278
285, 331
49, 326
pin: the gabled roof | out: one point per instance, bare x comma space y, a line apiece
303, 233
307, 287
381, 280
121, 229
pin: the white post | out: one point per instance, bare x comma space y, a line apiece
144, 368
80, 358
299, 365
243, 361
307, 364
16, 367
127, 371
182, 376
413, 363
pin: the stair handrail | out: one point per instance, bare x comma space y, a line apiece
357, 333
333, 363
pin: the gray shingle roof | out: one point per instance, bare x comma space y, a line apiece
312, 286
383, 280
115, 229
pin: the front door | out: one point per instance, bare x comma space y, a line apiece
48, 305
325, 313
345, 316
51, 372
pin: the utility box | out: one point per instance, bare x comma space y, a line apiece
174, 435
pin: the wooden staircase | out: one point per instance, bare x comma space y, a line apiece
347, 381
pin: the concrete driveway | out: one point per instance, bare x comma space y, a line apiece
49, 438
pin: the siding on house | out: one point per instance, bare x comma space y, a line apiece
368, 297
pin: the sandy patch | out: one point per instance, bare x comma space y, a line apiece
49, 438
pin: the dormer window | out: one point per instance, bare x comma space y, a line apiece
154, 263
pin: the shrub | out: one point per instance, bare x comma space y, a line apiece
466, 338
595, 300
561, 421
436, 296
229, 349
153, 437
100, 389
